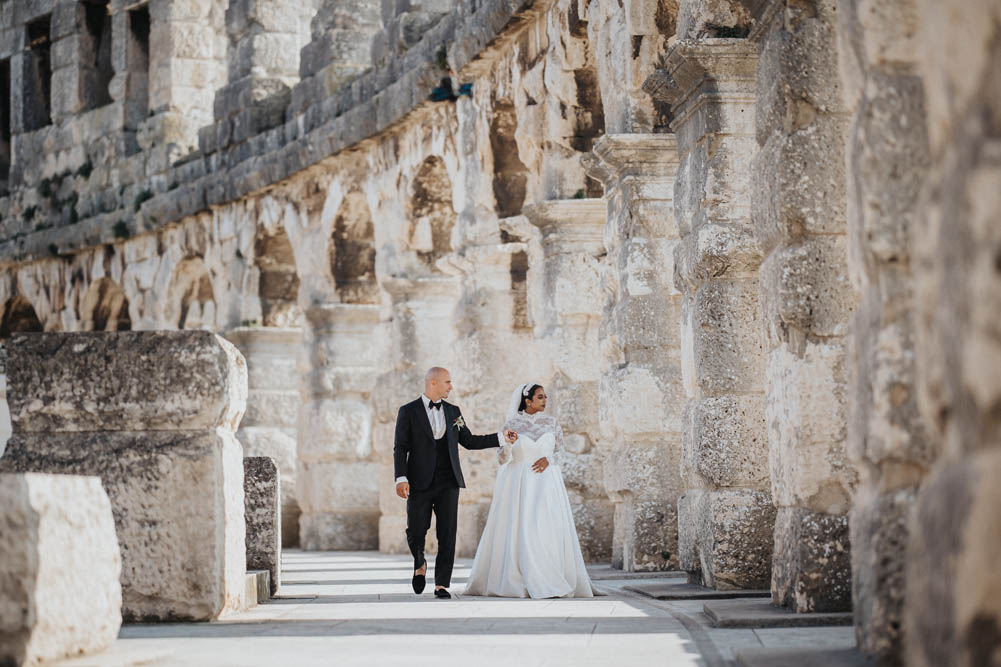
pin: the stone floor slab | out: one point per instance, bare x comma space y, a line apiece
772, 657
751, 613
684, 591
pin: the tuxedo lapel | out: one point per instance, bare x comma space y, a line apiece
422, 416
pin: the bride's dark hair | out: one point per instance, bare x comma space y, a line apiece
531, 393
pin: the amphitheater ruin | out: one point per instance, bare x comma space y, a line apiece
751, 248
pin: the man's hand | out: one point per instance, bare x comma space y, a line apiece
540, 465
510, 436
403, 490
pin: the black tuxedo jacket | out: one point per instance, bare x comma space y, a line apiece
414, 452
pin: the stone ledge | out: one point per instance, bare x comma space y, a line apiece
743, 613
797, 657
258, 588
686, 591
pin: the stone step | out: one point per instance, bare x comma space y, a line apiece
660, 590
752, 613
258, 588
605, 572
798, 657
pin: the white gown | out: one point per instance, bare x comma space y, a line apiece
529, 546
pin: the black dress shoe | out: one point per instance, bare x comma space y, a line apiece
419, 580
442, 594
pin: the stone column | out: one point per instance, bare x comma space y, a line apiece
726, 516
887, 159
568, 331
641, 399
798, 191
269, 426
337, 473
154, 415
952, 607
420, 336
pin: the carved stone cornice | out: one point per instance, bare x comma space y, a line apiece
643, 156
402, 288
569, 225
696, 70
343, 317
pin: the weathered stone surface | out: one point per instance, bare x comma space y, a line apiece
60, 593
177, 494
262, 500
130, 385
811, 565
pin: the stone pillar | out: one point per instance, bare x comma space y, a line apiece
798, 192
420, 336
269, 426
337, 473
642, 397
887, 159
262, 491
568, 331
726, 516
952, 606
60, 593
154, 415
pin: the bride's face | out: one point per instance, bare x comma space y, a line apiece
537, 402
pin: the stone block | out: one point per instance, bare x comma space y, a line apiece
952, 613
727, 444
811, 565
352, 530
660, 410
178, 505
594, 520
725, 537
337, 485
879, 536
60, 593
645, 535
262, 498
334, 430
121, 382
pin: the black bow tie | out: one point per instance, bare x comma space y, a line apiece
435, 405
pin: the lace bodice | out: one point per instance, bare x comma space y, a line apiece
534, 426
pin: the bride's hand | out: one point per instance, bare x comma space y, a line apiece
540, 465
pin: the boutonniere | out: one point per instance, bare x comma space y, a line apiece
459, 422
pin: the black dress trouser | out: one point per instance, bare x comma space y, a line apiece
442, 498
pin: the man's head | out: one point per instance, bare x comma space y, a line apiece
437, 383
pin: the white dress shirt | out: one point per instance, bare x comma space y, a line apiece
437, 420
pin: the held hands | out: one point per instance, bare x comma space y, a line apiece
540, 465
403, 490
510, 436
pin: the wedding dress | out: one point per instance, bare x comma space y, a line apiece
529, 546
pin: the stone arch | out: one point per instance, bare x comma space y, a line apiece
352, 251
105, 307
278, 285
190, 298
432, 215
510, 173
18, 317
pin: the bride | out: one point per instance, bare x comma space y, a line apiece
529, 546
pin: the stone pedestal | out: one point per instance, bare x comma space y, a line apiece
60, 593
420, 336
641, 395
262, 493
725, 517
807, 302
338, 475
269, 426
568, 331
154, 415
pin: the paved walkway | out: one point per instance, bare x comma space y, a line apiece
356, 608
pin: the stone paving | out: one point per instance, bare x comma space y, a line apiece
355, 608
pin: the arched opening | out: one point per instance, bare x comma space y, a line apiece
352, 252
432, 214
105, 307
18, 317
510, 173
278, 286
190, 299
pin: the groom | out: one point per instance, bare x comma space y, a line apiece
428, 476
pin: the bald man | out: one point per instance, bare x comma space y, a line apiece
428, 475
